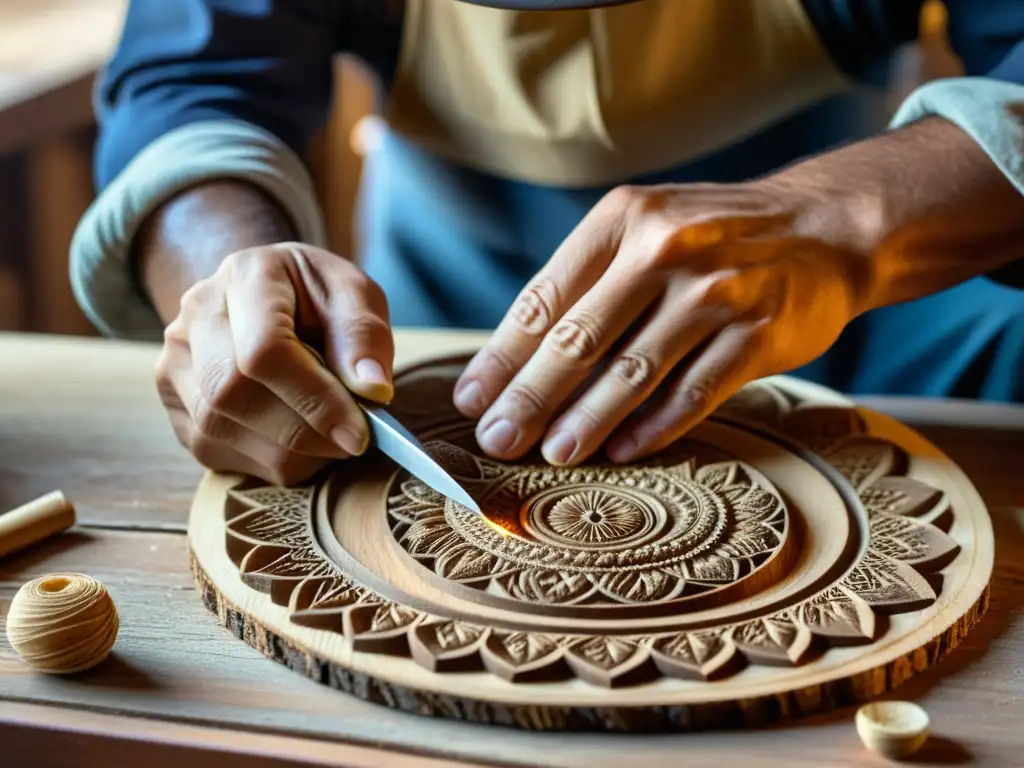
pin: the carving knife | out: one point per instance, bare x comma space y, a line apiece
388, 435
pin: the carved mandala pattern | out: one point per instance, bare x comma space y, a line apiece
590, 536
561, 545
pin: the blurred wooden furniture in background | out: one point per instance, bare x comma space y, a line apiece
50, 52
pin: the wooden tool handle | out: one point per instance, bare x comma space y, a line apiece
46, 516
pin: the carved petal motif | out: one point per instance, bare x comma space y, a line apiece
888, 585
641, 586
524, 657
610, 661
554, 587
774, 640
447, 646
838, 615
268, 526
902, 496
863, 460
821, 428
912, 542
756, 402
429, 537
320, 603
464, 562
380, 627
695, 655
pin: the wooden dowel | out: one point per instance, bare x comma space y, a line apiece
31, 523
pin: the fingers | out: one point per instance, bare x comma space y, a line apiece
682, 323
242, 402
261, 304
731, 360
574, 268
222, 445
565, 358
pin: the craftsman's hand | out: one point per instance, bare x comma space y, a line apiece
668, 297
244, 394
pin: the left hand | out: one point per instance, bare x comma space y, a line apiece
671, 298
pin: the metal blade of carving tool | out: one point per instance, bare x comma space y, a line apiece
398, 443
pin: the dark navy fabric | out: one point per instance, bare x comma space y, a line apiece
452, 247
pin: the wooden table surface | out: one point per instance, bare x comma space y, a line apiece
82, 415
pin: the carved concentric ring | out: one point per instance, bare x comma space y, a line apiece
588, 542
583, 517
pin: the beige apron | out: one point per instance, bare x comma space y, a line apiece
591, 97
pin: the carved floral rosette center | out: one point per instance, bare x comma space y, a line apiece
598, 535
590, 527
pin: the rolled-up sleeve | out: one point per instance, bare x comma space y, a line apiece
197, 90
988, 101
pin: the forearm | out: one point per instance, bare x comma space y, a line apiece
924, 206
186, 239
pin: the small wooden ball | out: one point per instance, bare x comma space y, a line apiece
62, 623
894, 729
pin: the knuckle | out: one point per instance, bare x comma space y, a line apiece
205, 450
525, 397
208, 422
363, 327
293, 435
624, 196
696, 394
577, 337
495, 359
198, 295
312, 407
535, 306
635, 369
584, 413
221, 385
717, 291
261, 361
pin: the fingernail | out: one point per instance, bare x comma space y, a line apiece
348, 440
561, 448
499, 437
470, 399
623, 449
371, 372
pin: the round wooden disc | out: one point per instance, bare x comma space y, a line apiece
792, 554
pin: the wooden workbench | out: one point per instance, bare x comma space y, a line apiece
82, 415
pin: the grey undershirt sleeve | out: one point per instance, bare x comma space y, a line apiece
101, 273
990, 111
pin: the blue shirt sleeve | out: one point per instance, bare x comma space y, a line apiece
265, 62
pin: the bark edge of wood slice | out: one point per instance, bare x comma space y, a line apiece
796, 555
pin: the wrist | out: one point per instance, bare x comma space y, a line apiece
845, 225
918, 210
187, 238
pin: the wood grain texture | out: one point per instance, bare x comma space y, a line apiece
83, 415
41, 740
66, 401
506, 621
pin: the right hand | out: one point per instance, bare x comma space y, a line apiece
243, 392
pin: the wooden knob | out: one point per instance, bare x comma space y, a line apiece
62, 623
894, 729
46, 516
